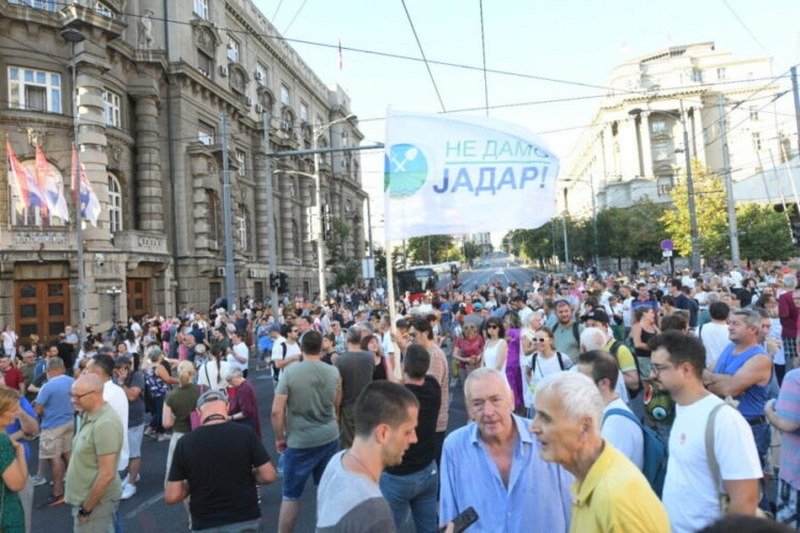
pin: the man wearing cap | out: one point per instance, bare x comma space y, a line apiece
223, 492
598, 318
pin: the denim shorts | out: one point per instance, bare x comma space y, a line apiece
299, 463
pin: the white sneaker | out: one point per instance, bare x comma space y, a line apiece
128, 491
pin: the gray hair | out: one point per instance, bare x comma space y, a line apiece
577, 393
353, 335
751, 318
593, 339
479, 374
233, 373
790, 281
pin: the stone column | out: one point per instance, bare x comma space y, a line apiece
305, 225
148, 165
287, 233
647, 149
261, 213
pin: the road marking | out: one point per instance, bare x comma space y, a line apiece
158, 497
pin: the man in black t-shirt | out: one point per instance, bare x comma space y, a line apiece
222, 486
413, 484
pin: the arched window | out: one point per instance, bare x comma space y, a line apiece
114, 205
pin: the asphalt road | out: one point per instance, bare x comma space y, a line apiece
146, 511
503, 269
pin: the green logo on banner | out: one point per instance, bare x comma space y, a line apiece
405, 170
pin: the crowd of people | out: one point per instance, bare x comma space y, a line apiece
595, 403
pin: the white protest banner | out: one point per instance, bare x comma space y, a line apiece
464, 174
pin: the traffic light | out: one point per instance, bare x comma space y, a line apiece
283, 284
273, 281
453, 271
794, 225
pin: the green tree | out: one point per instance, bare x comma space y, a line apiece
710, 206
472, 251
764, 234
442, 248
345, 270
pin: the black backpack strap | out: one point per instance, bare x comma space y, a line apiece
575, 332
560, 360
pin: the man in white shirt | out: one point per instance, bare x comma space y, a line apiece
714, 334
690, 494
103, 365
238, 354
623, 433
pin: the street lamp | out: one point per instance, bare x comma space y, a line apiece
114, 293
75, 36
694, 261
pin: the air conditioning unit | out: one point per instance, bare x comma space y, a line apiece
259, 108
223, 70
253, 273
248, 101
221, 272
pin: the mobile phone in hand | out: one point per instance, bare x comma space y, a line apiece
463, 520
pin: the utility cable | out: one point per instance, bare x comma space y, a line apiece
422, 52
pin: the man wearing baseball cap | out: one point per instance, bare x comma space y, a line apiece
223, 492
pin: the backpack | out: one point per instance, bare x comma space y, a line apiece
655, 452
558, 354
614, 349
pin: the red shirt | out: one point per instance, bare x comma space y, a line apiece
13, 378
788, 313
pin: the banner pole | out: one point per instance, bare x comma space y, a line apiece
392, 307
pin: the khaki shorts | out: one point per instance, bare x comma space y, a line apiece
55, 442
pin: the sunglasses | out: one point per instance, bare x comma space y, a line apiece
493, 326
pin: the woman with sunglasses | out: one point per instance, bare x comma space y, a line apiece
495, 349
468, 350
545, 360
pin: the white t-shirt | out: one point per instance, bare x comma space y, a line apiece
240, 350
9, 343
544, 367
715, 338
623, 434
115, 397
208, 376
627, 314
690, 498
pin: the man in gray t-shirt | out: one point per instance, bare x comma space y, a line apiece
349, 497
356, 367
307, 397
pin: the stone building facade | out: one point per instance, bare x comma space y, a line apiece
152, 86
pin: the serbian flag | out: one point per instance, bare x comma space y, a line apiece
90, 205
23, 183
52, 185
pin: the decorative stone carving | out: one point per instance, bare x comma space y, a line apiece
238, 77
114, 154
146, 30
206, 37
266, 98
37, 137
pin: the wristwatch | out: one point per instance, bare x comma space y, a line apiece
83, 512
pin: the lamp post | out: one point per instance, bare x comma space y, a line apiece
114, 293
694, 261
75, 36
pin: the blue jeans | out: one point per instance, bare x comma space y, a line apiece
761, 434
300, 463
416, 493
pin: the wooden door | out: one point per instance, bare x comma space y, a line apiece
41, 308
138, 297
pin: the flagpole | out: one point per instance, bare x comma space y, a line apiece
79, 288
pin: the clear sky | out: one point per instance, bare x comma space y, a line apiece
573, 40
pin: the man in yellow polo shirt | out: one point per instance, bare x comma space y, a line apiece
611, 494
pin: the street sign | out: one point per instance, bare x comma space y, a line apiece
368, 268
667, 253
667, 245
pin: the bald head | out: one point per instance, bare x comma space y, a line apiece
87, 393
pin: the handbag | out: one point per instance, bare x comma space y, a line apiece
713, 465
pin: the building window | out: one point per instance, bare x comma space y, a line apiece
721, 74
303, 112
284, 94
753, 114
201, 9
664, 184
658, 127
111, 103
345, 138
103, 9
233, 49
204, 63
757, 140
697, 75
47, 5
205, 134
114, 205
241, 159
241, 229
37, 90
34, 215
261, 74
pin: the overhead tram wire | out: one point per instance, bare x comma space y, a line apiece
746, 28
297, 14
424, 58
483, 50
280, 3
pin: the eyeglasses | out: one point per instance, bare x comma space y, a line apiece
657, 369
79, 396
